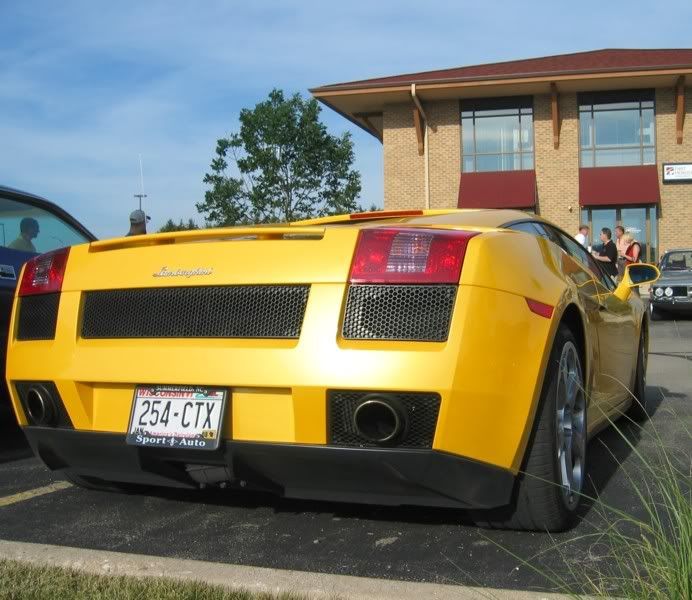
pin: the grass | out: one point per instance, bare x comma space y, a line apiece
646, 553
651, 555
22, 581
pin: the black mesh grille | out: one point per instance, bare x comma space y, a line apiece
679, 291
38, 316
399, 312
253, 311
420, 409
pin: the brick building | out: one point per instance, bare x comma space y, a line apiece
576, 138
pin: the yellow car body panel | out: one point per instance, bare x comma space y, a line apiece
489, 372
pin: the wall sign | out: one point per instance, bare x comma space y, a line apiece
677, 172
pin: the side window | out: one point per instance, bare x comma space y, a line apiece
29, 228
548, 233
579, 253
525, 226
536, 228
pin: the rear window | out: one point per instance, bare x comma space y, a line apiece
677, 261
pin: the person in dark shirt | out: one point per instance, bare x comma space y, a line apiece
608, 254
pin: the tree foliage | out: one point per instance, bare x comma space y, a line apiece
171, 225
281, 166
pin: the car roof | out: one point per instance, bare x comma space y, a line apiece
40, 202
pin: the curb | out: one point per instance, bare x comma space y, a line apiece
315, 586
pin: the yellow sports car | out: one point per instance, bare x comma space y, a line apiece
443, 358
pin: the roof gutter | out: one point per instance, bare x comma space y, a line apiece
490, 80
426, 153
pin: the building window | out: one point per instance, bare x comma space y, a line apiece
497, 134
640, 221
617, 129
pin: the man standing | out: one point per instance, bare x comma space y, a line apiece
28, 230
619, 232
608, 254
138, 223
583, 236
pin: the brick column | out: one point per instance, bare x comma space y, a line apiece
557, 171
675, 215
445, 153
404, 175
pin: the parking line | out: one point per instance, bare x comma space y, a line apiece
41, 491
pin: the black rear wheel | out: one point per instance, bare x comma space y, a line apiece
549, 488
640, 408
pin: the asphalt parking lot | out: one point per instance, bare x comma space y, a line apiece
410, 544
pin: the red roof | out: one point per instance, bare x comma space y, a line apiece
595, 61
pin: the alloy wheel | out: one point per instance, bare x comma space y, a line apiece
570, 425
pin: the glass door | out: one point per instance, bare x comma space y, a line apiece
600, 218
640, 221
635, 223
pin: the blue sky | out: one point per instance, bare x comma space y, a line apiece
87, 86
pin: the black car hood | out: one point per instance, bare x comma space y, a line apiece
675, 278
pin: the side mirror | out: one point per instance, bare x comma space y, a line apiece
636, 274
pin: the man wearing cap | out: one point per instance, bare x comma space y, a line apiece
138, 223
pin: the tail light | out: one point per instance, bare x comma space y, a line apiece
44, 273
398, 255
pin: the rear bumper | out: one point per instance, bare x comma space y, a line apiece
370, 476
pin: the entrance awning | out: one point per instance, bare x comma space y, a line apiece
599, 186
498, 189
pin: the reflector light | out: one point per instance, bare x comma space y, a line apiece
542, 310
44, 274
400, 255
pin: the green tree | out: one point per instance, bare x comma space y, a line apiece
171, 225
281, 166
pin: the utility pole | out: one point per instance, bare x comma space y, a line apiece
141, 184
140, 196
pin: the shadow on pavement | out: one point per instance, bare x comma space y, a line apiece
13, 444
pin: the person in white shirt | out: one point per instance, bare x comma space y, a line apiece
583, 236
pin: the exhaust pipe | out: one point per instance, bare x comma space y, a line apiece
379, 420
40, 406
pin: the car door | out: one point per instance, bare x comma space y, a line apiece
28, 226
617, 333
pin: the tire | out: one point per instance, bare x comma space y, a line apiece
640, 409
546, 497
99, 485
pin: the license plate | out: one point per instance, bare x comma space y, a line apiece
188, 417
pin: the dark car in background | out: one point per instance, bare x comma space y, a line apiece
29, 225
672, 293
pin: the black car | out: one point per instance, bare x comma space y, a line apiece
29, 225
672, 293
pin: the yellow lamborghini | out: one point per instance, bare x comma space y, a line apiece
456, 358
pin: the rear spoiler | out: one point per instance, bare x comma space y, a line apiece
256, 232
